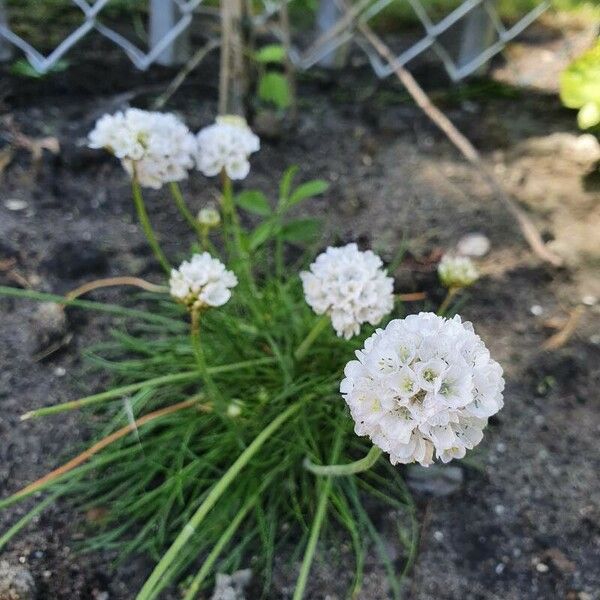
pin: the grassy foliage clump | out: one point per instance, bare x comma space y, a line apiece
205, 436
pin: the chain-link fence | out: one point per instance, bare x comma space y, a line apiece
481, 34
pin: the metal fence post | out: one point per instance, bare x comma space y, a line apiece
476, 36
5, 48
164, 15
328, 14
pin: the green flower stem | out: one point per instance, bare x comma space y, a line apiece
364, 464
217, 549
201, 360
125, 390
140, 207
232, 226
184, 210
320, 324
228, 210
114, 309
452, 292
211, 499
316, 527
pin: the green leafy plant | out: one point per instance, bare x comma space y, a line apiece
223, 435
580, 87
273, 87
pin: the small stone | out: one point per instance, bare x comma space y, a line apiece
231, 587
475, 245
48, 325
16, 583
436, 480
536, 310
60, 372
438, 536
589, 300
499, 509
542, 568
500, 568
501, 447
15, 204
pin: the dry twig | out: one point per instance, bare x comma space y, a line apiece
467, 149
560, 338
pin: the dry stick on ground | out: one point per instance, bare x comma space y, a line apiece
467, 149
110, 439
189, 66
560, 338
112, 282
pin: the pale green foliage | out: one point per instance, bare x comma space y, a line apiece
580, 87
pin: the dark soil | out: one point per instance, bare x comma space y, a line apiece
527, 524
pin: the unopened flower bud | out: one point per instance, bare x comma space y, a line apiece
234, 409
209, 217
457, 271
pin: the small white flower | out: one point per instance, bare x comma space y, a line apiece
226, 145
157, 146
350, 286
457, 271
202, 282
423, 385
209, 217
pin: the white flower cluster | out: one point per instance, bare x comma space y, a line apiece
457, 271
158, 146
227, 144
423, 384
202, 282
350, 286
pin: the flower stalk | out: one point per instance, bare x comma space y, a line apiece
358, 466
142, 213
313, 334
184, 210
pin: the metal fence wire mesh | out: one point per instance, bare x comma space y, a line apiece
482, 33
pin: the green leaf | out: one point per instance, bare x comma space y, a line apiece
589, 115
253, 201
580, 81
308, 190
286, 183
261, 234
273, 87
272, 53
301, 230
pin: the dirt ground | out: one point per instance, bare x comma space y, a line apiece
527, 525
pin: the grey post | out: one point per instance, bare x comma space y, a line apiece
328, 14
164, 15
477, 35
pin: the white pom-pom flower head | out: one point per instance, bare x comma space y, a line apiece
457, 271
350, 286
156, 147
423, 387
202, 282
226, 146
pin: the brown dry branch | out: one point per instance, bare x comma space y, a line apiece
189, 66
112, 282
411, 296
560, 338
106, 441
467, 149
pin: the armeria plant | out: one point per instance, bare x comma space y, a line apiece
226, 434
